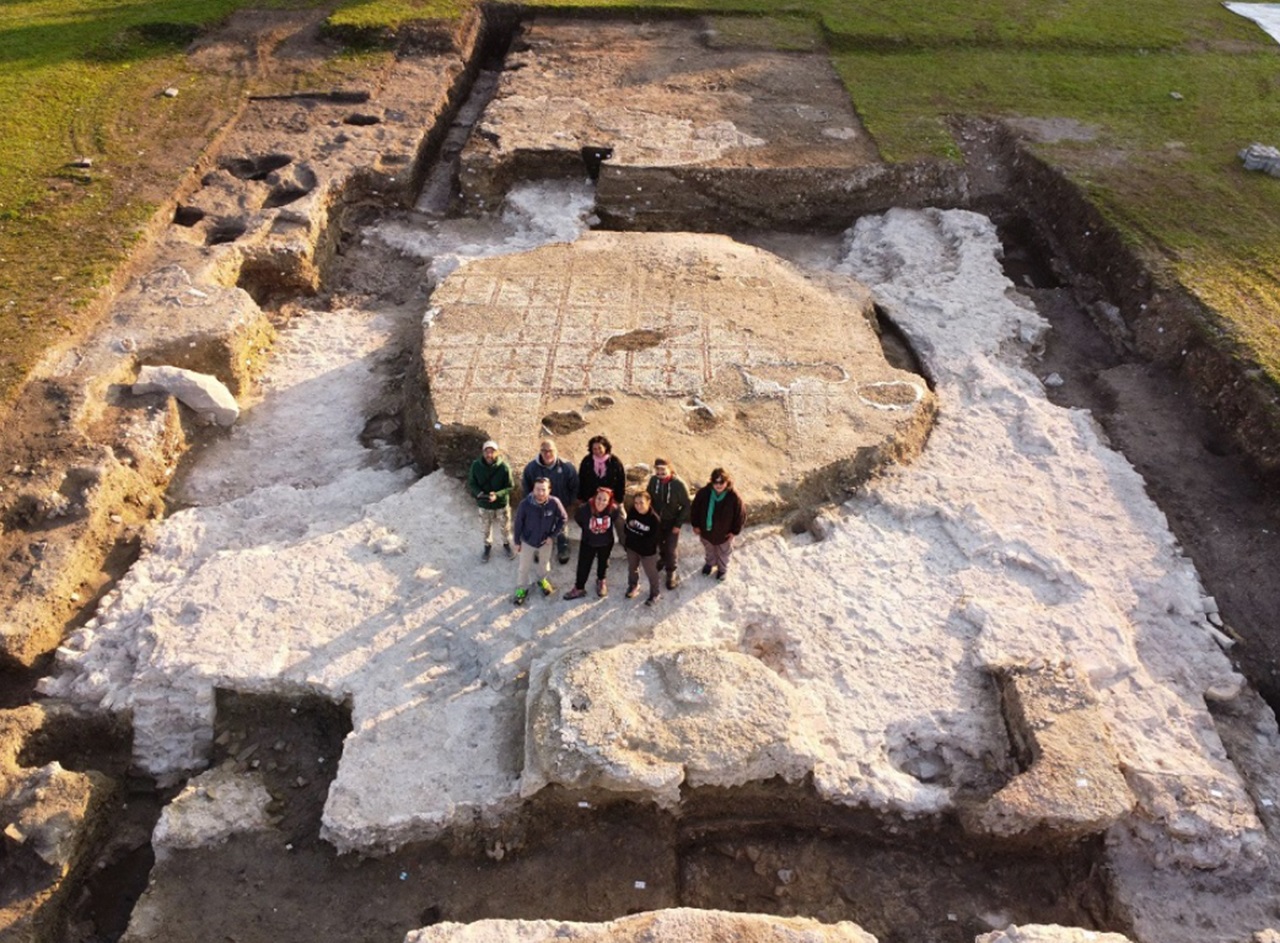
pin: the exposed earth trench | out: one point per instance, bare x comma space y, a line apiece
770, 847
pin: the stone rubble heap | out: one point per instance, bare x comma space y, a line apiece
1261, 157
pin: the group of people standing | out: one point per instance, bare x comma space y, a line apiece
595, 494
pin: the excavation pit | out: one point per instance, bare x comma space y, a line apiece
305, 563
583, 857
685, 124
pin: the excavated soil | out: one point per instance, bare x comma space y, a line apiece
762, 850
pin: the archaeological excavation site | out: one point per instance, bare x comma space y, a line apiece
994, 660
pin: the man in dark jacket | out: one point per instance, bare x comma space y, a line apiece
718, 516
564, 485
670, 499
490, 483
540, 518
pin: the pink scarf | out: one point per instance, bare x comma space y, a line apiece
601, 462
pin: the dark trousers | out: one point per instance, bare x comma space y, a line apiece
668, 540
588, 555
650, 565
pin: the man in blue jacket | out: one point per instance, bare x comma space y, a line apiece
539, 519
564, 485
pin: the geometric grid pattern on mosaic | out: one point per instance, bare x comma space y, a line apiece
690, 334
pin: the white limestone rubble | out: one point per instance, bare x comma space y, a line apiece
206, 395
210, 809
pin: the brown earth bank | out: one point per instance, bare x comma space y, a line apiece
1200, 426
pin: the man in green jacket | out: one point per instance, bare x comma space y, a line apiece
490, 483
670, 499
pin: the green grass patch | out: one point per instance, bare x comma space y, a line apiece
391, 14
83, 78
1161, 163
787, 33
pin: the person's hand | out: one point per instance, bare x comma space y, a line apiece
493, 496
517, 546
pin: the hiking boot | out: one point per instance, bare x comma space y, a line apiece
633, 591
576, 593
602, 588
706, 570
672, 580
488, 552
544, 584
721, 575
522, 594
511, 554
652, 599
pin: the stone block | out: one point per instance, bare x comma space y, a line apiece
210, 809
1071, 785
681, 923
204, 394
645, 720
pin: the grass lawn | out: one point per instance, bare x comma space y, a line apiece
1163, 169
84, 77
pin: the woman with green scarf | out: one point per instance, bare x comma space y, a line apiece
718, 515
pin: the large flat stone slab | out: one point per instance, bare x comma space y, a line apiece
680, 923
690, 346
702, 129
644, 720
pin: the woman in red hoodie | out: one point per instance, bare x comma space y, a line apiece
599, 518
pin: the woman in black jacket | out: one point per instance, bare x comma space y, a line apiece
640, 536
599, 519
717, 516
601, 469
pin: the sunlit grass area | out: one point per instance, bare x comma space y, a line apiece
1170, 90
1161, 163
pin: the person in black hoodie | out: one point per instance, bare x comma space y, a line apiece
718, 516
600, 468
640, 536
598, 518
